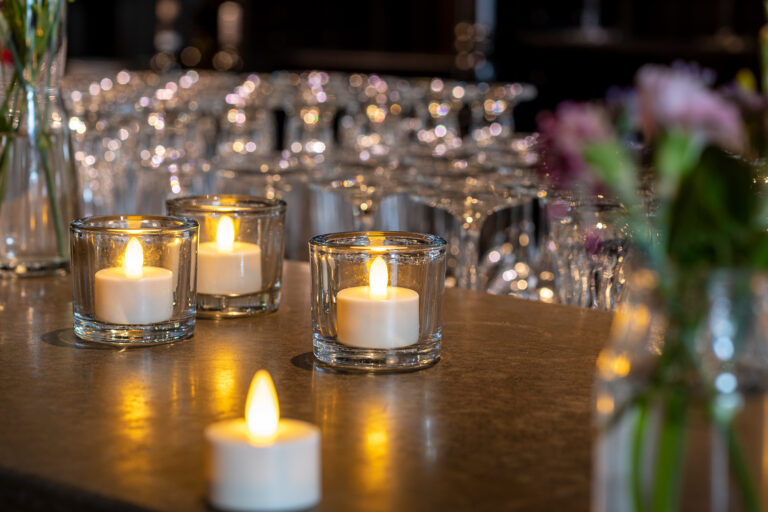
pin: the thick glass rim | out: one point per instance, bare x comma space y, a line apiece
345, 242
227, 203
167, 224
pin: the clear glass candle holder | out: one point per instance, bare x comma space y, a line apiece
133, 279
240, 258
377, 299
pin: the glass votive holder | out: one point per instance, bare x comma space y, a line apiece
133, 279
377, 299
240, 258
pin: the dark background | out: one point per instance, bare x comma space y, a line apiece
568, 49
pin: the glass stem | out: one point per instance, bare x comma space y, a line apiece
469, 242
365, 220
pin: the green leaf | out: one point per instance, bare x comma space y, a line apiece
677, 153
614, 167
714, 219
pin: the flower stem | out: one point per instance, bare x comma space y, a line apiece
44, 144
4, 166
669, 459
636, 470
740, 469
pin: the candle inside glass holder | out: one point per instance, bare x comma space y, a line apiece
240, 255
132, 278
377, 299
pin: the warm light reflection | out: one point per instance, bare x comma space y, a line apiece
262, 412
226, 398
605, 403
134, 258
225, 234
611, 365
630, 322
134, 409
376, 447
377, 278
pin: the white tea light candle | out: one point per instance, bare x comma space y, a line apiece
263, 462
133, 293
227, 267
377, 315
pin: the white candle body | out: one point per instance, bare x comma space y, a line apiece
122, 299
228, 272
366, 322
281, 475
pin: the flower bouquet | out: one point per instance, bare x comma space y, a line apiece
682, 382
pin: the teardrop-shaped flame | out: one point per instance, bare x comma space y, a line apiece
262, 411
378, 277
225, 234
134, 258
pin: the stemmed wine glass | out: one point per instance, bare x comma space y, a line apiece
470, 199
276, 176
588, 243
361, 187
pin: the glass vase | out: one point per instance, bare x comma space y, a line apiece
38, 181
682, 410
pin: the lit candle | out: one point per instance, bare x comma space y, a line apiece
263, 462
226, 267
133, 293
377, 315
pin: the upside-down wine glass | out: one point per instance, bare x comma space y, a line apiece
471, 200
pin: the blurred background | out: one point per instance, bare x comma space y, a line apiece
400, 115
567, 48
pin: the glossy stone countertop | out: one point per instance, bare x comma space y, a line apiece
502, 422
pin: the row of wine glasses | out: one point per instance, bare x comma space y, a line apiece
347, 152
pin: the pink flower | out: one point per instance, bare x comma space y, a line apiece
564, 135
675, 98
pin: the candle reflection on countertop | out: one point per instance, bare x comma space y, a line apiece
387, 433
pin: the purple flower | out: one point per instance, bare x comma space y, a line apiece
593, 242
564, 135
676, 98
751, 103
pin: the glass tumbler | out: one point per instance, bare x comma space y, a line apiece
377, 299
240, 258
133, 279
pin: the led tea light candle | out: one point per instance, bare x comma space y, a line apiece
367, 316
137, 293
227, 267
263, 462
240, 255
377, 315
133, 293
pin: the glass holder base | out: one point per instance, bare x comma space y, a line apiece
159, 333
412, 357
237, 306
34, 268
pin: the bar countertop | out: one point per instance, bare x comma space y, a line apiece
502, 422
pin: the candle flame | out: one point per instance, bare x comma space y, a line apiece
225, 234
262, 412
378, 277
134, 258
